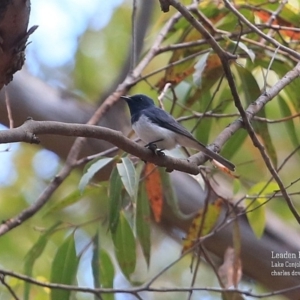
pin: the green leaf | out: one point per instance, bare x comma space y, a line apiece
138, 170
128, 177
142, 223
64, 268
203, 129
107, 271
236, 185
290, 126
71, 199
115, 199
256, 216
171, 197
93, 168
252, 92
263, 189
233, 145
34, 253
124, 244
103, 268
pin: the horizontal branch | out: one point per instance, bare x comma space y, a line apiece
30, 129
143, 288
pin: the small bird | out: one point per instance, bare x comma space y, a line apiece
160, 130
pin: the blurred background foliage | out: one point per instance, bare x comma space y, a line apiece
89, 69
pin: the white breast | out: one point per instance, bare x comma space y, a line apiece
149, 132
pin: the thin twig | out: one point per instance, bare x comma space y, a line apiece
259, 32
225, 57
146, 288
11, 291
79, 142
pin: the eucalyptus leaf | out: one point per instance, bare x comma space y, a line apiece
64, 268
128, 176
92, 170
125, 247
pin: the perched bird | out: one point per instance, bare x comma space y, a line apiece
160, 130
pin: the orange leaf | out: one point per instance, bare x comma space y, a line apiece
154, 190
200, 227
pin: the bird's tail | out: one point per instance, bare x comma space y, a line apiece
219, 159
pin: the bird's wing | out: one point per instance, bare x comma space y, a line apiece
165, 120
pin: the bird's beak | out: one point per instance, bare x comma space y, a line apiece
126, 98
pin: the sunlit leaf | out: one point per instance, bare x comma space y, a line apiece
64, 267
124, 245
263, 189
92, 170
256, 215
142, 223
115, 199
202, 224
128, 176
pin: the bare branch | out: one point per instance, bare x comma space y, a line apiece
143, 288
11, 291
79, 142
31, 128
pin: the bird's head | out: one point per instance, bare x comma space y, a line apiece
138, 102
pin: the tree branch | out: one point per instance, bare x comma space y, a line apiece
274, 42
143, 288
97, 116
28, 131
245, 115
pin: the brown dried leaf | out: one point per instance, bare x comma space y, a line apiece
231, 270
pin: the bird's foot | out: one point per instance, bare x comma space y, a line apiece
153, 147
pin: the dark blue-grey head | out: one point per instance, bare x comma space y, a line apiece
137, 103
